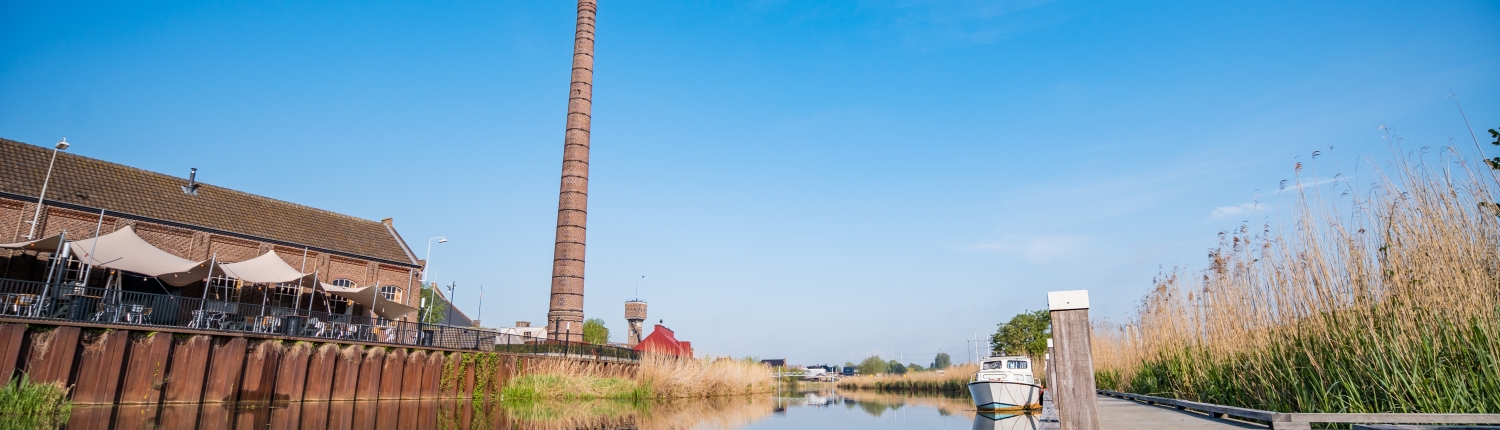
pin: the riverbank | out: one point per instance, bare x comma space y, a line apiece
953, 379
657, 377
27, 405
1382, 299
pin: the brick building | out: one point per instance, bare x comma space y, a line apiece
193, 223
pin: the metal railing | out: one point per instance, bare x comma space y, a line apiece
70, 302
1304, 421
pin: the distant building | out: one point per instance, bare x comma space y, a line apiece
663, 341
774, 362
522, 333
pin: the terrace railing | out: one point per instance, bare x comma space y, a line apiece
68, 302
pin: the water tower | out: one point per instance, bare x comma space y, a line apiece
635, 314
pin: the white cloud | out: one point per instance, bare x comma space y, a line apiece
1235, 211
1037, 249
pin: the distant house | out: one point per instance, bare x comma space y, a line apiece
774, 362
663, 341
522, 333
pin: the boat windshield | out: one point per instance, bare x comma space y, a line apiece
994, 365
1013, 364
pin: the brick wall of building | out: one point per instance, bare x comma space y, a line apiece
185, 243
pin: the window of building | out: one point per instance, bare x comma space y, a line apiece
390, 292
341, 282
286, 295
222, 288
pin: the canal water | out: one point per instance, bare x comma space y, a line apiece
802, 409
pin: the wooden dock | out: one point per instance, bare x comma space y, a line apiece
1125, 414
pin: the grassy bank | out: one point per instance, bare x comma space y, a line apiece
658, 377
1379, 297
27, 405
953, 379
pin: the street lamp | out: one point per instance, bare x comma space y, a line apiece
428, 261
61, 145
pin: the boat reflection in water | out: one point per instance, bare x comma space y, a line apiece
1005, 421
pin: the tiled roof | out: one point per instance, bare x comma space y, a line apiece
114, 187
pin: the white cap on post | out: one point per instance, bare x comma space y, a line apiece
1049, 342
1065, 300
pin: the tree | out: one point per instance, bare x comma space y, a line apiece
941, 361
872, 366
1494, 163
848, 364
436, 310
595, 332
895, 367
1025, 334
914, 367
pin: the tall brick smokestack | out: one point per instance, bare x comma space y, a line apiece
565, 315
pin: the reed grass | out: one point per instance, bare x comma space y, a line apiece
953, 379
24, 404
668, 377
1378, 299
658, 377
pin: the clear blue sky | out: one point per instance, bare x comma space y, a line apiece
806, 180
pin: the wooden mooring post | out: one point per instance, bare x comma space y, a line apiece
1073, 392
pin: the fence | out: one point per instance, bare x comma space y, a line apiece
1278, 420
70, 302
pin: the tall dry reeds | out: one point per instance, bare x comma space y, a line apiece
657, 377
1378, 299
953, 379
668, 377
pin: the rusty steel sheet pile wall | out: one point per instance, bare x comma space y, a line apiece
113, 366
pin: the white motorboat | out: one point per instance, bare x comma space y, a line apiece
1004, 384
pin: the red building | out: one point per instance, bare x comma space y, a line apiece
663, 341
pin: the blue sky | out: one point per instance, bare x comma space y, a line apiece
816, 181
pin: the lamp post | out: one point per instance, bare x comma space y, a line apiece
450, 301
61, 145
426, 262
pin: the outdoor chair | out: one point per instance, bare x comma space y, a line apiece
101, 309
314, 327
133, 313
9, 302
31, 305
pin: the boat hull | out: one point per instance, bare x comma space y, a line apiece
1005, 396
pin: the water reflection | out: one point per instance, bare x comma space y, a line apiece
993, 421
724, 413
801, 409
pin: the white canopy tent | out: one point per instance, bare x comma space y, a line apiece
366, 296
268, 268
124, 250
47, 244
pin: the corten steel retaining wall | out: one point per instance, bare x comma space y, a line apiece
115, 365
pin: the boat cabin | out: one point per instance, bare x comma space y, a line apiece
1008, 369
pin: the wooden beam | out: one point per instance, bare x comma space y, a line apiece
1073, 393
